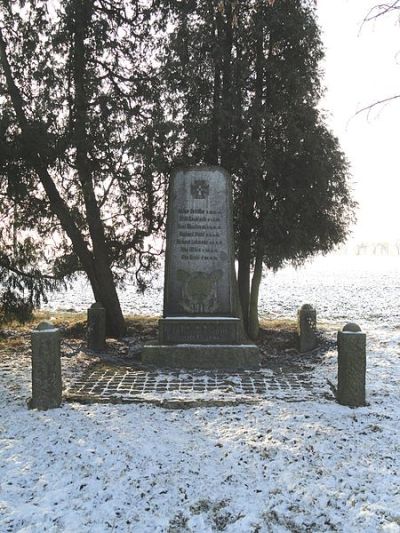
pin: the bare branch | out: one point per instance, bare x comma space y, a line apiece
369, 108
378, 11
381, 10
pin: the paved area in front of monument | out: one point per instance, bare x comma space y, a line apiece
125, 384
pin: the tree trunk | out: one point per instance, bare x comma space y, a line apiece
213, 155
108, 295
251, 189
105, 293
226, 104
99, 275
254, 326
244, 257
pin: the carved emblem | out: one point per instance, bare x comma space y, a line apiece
199, 291
200, 189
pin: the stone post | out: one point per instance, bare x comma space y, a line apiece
46, 367
96, 327
351, 366
307, 328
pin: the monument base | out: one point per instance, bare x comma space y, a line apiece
203, 356
199, 330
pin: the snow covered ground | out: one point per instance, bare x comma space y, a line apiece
309, 466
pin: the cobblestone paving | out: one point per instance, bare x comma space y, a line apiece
127, 384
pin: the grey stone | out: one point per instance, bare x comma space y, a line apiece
307, 328
352, 365
199, 330
45, 325
191, 356
96, 327
351, 326
46, 367
199, 255
200, 292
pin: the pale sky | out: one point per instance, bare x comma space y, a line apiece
361, 67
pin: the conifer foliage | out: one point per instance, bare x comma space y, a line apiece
81, 165
100, 99
243, 85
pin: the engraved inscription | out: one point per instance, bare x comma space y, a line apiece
199, 234
199, 333
199, 246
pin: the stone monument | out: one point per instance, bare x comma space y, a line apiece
201, 325
352, 366
46, 367
307, 328
96, 327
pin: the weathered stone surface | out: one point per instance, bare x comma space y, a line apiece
96, 327
199, 255
200, 292
351, 326
307, 328
196, 330
351, 366
46, 367
190, 356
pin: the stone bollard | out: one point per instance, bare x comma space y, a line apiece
307, 328
96, 327
46, 367
352, 365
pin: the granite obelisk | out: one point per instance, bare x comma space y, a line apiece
201, 326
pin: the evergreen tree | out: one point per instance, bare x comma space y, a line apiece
82, 144
242, 82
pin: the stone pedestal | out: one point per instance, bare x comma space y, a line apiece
200, 330
352, 365
307, 328
96, 327
46, 367
203, 356
201, 327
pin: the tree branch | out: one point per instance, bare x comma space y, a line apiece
382, 10
34, 274
38, 163
369, 108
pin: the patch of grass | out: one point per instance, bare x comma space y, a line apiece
278, 324
277, 341
142, 326
277, 336
74, 324
13, 343
71, 323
